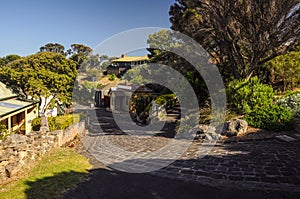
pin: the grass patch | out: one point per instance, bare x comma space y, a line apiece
50, 177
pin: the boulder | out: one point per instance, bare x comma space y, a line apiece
234, 127
205, 131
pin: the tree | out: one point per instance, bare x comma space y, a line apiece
9, 58
97, 61
241, 35
79, 53
85, 60
80, 48
45, 74
165, 39
53, 47
135, 75
284, 70
105, 61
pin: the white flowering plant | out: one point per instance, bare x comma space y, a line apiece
292, 102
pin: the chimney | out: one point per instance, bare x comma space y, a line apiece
123, 55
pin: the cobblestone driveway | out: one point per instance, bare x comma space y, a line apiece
261, 164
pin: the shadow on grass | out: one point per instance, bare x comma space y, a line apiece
53, 186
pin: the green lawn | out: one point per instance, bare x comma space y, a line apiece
51, 176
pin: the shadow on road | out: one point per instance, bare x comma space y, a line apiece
110, 184
52, 186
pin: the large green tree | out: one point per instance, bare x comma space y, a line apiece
45, 74
80, 48
53, 47
165, 39
79, 54
241, 35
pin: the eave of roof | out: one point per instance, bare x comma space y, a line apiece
10, 106
131, 59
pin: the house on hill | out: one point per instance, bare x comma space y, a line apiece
16, 114
121, 65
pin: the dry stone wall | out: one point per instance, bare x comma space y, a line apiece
17, 152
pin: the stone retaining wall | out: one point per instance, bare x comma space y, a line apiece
18, 151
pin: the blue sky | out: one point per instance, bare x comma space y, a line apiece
28, 25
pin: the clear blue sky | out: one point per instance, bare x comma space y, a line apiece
29, 24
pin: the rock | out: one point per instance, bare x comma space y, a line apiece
234, 127
16, 138
11, 169
202, 128
19, 150
207, 132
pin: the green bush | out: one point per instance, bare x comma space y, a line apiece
166, 98
4, 133
245, 96
112, 77
271, 117
292, 102
284, 70
57, 123
60, 122
36, 124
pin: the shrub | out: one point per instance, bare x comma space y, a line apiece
4, 133
36, 124
292, 102
245, 96
57, 123
271, 117
60, 122
169, 99
112, 77
284, 70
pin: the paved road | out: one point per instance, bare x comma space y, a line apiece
106, 184
252, 169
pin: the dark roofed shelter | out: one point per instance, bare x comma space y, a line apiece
16, 114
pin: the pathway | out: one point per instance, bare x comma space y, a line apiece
263, 165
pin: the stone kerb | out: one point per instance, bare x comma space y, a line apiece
18, 151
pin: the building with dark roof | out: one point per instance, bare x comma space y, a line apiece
121, 65
16, 114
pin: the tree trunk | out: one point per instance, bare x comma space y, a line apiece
44, 124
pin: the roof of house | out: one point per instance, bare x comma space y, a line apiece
12, 105
9, 102
5, 92
131, 59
